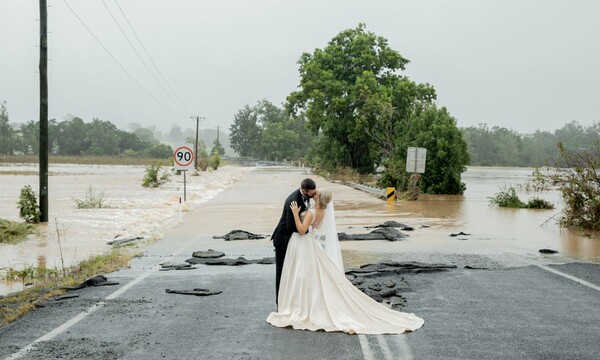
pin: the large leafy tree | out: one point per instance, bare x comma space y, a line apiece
352, 94
282, 136
245, 131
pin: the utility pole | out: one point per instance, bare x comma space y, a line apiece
196, 146
43, 172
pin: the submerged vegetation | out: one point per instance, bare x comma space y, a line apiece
154, 178
92, 200
12, 232
508, 198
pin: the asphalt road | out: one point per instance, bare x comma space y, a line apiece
529, 312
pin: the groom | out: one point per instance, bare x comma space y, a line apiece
286, 226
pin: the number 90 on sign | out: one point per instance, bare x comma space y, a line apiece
183, 158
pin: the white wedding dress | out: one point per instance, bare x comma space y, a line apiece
316, 295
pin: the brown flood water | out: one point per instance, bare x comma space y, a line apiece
492, 230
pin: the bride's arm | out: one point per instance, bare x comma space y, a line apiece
301, 226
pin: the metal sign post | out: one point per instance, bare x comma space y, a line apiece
183, 160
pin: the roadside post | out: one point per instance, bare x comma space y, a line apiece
415, 164
390, 194
183, 160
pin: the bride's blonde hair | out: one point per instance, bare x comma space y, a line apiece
324, 198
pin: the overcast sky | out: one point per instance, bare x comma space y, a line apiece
520, 64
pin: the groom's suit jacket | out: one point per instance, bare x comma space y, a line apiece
287, 226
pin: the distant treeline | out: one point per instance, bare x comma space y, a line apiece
498, 146
74, 137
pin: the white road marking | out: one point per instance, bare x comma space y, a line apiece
403, 347
366, 348
570, 277
82, 315
385, 349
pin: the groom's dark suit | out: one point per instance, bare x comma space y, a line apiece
283, 232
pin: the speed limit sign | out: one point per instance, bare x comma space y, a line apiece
183, 158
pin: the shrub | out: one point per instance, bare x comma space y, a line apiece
215, 160
537, 203
91, 201
154, 178
28, 207
202, 163
508, 198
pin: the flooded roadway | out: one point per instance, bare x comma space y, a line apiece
494, 232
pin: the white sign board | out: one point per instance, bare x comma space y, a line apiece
415, 160
183, 158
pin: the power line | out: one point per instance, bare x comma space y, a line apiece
141, 59
117, 61
150, 57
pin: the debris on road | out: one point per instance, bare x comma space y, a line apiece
230, 262
98, 280
240, 235
118, 240
392, 224
209, 254
195, 292
384, 233
173, 266
383, 283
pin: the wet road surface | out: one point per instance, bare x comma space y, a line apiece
520, 307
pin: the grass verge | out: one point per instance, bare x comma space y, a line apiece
47, 284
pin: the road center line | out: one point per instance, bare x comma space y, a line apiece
570, 277
366, 348
82, 315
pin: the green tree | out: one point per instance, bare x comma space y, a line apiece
539, 149
7, 140
29, 137
245, 132
282, 136
72, 138
217, 148
146, 135
508, 146
159, 151
344, 87
103, 137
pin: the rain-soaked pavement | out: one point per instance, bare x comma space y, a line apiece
504, 300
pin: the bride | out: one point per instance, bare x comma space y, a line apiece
316, 295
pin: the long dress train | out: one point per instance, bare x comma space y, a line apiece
316, 295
